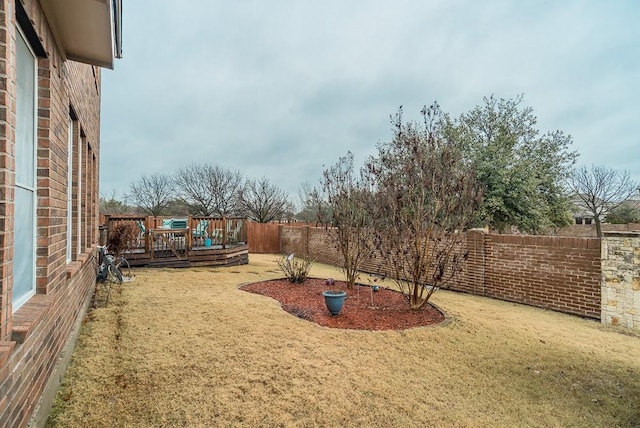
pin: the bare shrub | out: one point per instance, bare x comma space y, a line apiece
349, 199
122, 238
425, 197
295, 269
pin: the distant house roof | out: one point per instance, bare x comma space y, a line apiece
579, 208
88, 31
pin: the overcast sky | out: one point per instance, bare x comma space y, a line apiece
280, 88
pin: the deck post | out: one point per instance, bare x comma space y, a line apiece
224, 232
189, 234
107, 219
147, 235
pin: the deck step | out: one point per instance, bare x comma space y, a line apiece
173, 263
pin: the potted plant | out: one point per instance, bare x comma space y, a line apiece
334, 299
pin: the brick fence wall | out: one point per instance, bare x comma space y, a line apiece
558, 273
589, 230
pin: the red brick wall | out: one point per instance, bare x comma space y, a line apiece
294, 240
322, 247
32, 338
306, 240
557, 273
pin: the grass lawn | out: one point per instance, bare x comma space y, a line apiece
185, 347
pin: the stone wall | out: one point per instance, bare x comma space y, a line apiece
621, 279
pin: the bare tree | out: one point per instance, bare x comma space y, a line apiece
602, 190
112, 205
152, 193
209, 189
290, 212
262, 201
306, 212
426, 196
226, 185
314, 206
194, 188
349, 199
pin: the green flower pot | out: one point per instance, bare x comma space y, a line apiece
334, 300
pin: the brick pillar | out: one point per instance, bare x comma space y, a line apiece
474, 267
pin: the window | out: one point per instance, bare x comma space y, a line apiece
24, 255
578, 220
587, 221
92, 188
70, 192
80, 188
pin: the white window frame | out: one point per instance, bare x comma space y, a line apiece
18, 301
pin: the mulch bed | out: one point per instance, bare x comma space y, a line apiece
388, 311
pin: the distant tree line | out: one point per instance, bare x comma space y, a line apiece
204, 190
527, 178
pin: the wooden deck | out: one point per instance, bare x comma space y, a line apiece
196, 241
198, 256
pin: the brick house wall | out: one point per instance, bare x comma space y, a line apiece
35, 338
558, 273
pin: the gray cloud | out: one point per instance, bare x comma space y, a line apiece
278, 89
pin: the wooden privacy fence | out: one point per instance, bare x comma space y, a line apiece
263, 238
266, 238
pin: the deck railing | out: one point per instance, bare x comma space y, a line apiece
179, 234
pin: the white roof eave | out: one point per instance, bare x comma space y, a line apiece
85, 30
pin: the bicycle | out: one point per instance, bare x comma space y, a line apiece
111, 270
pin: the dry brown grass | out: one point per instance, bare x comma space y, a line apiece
187, 348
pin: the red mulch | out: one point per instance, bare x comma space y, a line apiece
389, 311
